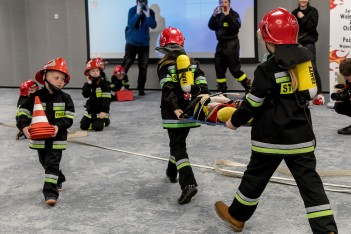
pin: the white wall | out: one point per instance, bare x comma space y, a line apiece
30, 36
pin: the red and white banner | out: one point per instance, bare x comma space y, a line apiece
340, 37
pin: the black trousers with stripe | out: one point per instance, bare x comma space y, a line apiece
97, 124
227, 56
177, 144
50, 160
303, 168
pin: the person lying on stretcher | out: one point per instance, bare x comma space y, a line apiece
215, 109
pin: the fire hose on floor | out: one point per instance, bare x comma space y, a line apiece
220, 170
219, 165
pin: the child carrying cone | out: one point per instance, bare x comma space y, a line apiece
44, 118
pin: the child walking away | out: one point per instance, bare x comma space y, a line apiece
281, 127
181, 79
98, 92
59, 110
119, 81
27, 88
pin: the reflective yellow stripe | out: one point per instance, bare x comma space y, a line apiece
282, 79
319, 214
23, 113
106, 95
185, 164
58, 108
200, 82
163, 81
221, 80
49, 180
282, 151
36, 146
86, 114
172, 70
253, 103
180, 125
246, 203
69, 116
241, 78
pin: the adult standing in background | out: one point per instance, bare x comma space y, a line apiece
140, 19
307, 17
226, 23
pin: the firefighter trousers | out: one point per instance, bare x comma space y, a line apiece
50, 160
94, 123
227, 56
303, 168
179, 160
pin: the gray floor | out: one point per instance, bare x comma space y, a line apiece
114, 192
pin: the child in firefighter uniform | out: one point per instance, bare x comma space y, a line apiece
119, 80
281, 127
98, 92
181, 79
59, 110
27, 88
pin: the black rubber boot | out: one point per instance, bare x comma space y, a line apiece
246, 83
222, 87
187, 193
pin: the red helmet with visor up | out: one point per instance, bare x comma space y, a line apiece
102, 62
119, 70
93, 63
58, 64
279, 27
171, 36
26, 86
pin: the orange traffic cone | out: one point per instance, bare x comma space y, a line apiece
40, 127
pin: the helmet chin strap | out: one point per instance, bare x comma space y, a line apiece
52, 87
95, 79
268, 48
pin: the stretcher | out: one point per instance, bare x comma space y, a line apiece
215, 109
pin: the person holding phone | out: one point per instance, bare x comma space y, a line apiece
226, 23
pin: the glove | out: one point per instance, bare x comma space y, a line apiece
139, 7
147, 11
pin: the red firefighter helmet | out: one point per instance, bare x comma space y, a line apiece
119, 70
171, 36
58, 64
102, 62
26, 86
279, 26
93, 63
